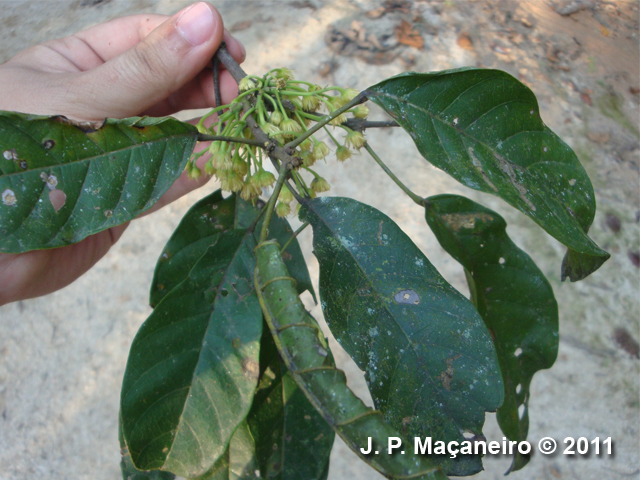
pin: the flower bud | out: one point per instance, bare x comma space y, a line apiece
194, 172
284, 73
306, 145
221, 160
320, 150
285, 195
209, 168
343, 153
239, 165
355, 139
270, 129
265, 179
339, 120
276, 118
348, 94
307, 158
290, 125
231, 181
283, 209
320, 185
361, 111
310, 103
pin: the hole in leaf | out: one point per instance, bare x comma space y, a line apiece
468, 435
57, 198
518, 352
522, 410
501, 261
224, 293
519, 388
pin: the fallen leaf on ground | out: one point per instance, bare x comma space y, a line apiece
406, 35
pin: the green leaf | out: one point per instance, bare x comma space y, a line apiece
200, 227
97, 176
129, 471
198, 230
483, 127
512, 295
238, 462
292, 440
428, 358
305, 352
193, 365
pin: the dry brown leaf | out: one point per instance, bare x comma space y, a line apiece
464, 41
406, 35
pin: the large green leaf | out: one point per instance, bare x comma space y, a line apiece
200, 227
512, 295
238, 462
129, 471
305, 352
483, 127
193, 366
97, 176
428, 358
292, 440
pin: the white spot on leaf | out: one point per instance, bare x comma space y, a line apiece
9, 198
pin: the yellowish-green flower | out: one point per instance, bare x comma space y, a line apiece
283, 209
246, 84
264, 178
276, 118
310, 103
283, 73
320, 185
361, 111
320, 150
355, 139
348, 94
231, 181
209, 169
285, 195
221, 160
308, 159
343, 153
194, 172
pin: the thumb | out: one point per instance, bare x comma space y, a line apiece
168, 57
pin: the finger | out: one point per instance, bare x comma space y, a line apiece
39, 272
168, 58
198, 93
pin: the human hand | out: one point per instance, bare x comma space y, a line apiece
138, 65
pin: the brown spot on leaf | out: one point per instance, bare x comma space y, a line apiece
48, 144
457, 221
447, 375
250, 368
86, 127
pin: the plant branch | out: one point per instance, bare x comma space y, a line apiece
202, 137
416, 198
295, 234
360, 124
360, 98
282, 176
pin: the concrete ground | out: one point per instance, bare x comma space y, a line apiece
62, 356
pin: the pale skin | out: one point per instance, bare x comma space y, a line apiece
138, 65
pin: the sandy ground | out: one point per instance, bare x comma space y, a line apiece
62, 356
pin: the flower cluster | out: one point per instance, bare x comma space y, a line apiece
284, 108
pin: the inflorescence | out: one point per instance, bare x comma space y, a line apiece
284, 108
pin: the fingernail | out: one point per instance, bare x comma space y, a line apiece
196, 24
